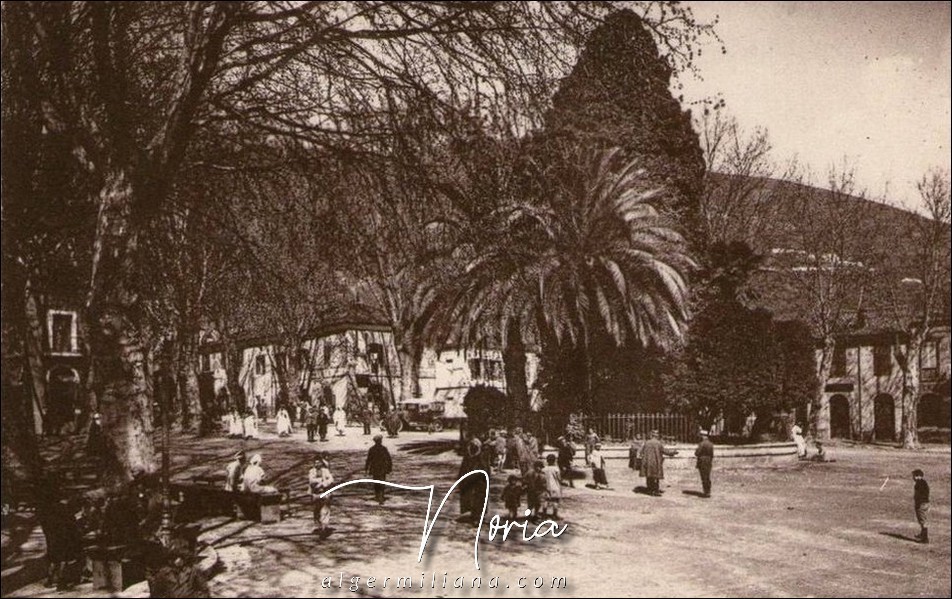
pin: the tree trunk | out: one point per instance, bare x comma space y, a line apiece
33, 348
116, 343
910, 392
187, 380
410, 356
514, 365
818, 413
124, 403
232, 357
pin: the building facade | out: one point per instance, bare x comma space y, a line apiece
863, 396
356, 362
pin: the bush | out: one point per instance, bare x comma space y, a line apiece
486, 408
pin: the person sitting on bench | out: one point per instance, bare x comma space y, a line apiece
234, 472
253, 477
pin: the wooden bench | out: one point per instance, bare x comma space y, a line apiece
200, 500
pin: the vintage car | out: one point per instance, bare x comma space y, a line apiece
423, 415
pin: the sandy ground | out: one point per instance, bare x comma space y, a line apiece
800, 529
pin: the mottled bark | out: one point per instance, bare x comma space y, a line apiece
33, 349
514, 365
819, 410
909, 363
186, 376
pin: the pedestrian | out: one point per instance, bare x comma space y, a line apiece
234, 472
634, 454
340, 421
283, 426
532, 446
251, 425
236, 429
378, 466
319, 480
801, 443
501, 445
921, 501
64, 540
653, 453
512, 496
323, 419
472, 490
705, 461
566, 455
95, 439
252, 481
518, 453
591, 438
553, 487
310, 419
535, 489
367, 417
597, 462
823, 455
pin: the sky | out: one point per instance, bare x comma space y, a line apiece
868, 82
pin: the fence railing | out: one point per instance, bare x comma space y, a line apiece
622, 427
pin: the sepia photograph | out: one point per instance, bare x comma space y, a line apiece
476, 299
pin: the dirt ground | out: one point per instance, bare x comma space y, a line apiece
798, 529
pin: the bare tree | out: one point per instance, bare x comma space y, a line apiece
130, 87
741, 199
912, 262
826, 266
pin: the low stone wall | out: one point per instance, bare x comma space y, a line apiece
725, 456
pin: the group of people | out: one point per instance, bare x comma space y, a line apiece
246, 476
539, 480
242, 426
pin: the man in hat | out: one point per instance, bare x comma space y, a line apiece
379, 465
234, 472
652, 462
705, 460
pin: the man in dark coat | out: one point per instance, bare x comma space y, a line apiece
652, 462
705, 459
379, 465
472, 491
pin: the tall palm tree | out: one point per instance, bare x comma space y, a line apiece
591, 254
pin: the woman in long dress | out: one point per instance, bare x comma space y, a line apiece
284, 423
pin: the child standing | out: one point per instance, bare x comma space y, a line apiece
921, 499
512, 496
553, 487
597, 461
535, 489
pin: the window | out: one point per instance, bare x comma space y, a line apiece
838, 368
882, 360
475, 370
62, 332
929, 360
261, 364
374, 357
326, 354
206, 362
929, 357
493, 370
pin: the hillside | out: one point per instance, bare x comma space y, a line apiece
794, 224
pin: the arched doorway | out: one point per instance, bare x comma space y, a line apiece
884, 417
840, 417
933, 411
